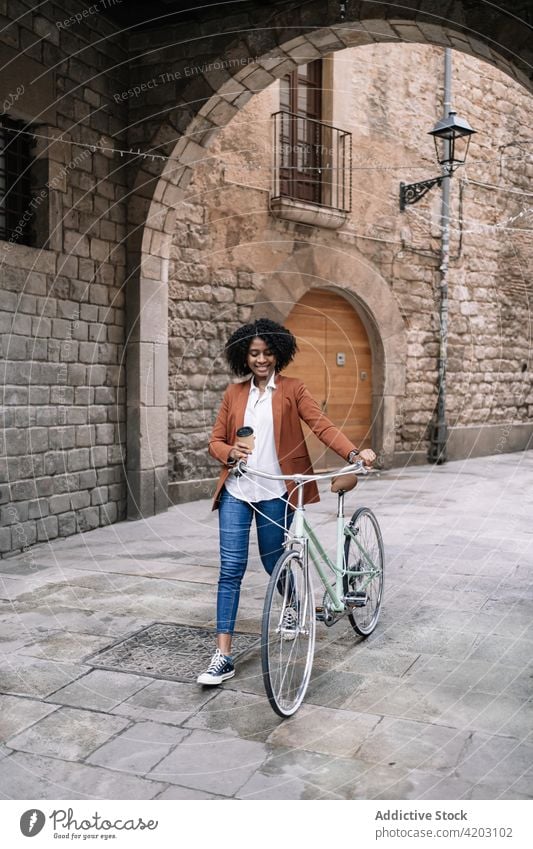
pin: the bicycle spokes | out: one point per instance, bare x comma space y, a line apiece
363, 579
288, 635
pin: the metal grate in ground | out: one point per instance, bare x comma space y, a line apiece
166, 650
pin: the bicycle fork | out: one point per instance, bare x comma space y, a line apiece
296, 592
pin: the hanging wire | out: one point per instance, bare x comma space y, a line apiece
498, 188
162, 157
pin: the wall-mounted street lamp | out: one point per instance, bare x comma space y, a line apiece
452, 139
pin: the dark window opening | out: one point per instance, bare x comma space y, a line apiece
17, 212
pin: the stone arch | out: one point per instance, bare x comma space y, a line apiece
196, 110
349, 274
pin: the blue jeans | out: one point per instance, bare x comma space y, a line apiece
235, 519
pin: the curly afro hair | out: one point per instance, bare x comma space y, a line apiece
280, 341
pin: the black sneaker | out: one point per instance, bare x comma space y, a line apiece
220, 669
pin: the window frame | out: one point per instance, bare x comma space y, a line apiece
301, 100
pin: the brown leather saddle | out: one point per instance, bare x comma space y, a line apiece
344, 483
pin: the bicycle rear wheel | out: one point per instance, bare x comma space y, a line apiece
288, 638
364, 555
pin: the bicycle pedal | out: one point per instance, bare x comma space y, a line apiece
320, 614
358, 598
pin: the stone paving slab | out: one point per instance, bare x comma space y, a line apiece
423, 638
499, 762
491, 678
165, 701
17, 714
439, 704
139, 748
233, 712
10, 646
68, 734
300, 774
64, 646
158, 601
29, 776
21, 588
29, 676
516, 650
99, 690
346, 690
502, 715
415, 745
346, 654
480, 623
271, 783
249, 677
43, 620
420, 784
212, 762
330, 732
514, 617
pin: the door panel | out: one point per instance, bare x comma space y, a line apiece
326, 325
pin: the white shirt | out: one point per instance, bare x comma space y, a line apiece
258, 415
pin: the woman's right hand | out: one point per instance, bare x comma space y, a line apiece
367, 456
240, 451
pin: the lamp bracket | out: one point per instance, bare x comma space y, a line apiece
413, 192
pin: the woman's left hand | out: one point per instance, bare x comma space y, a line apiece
367, 456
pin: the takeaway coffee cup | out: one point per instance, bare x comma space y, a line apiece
246, 435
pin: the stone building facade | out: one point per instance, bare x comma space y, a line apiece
232, 258
137, 258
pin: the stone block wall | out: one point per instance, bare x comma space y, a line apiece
62, 316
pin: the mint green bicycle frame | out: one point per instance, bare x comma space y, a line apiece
303, 535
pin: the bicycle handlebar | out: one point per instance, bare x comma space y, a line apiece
356, 468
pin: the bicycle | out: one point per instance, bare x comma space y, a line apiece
289, 614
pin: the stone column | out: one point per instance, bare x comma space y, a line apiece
147, 396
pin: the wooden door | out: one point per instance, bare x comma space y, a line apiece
329, 333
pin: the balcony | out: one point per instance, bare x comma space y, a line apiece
312, 171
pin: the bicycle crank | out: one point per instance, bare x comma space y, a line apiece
325, 614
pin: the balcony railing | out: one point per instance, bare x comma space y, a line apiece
312, 165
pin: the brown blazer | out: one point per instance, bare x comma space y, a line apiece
291, 401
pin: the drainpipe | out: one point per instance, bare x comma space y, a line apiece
439, 429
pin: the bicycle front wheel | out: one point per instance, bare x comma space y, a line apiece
288, 634
364, 558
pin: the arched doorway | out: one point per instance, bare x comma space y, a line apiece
196, 105
335, 361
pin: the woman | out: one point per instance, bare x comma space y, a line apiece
273, 406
